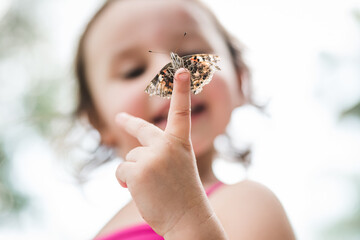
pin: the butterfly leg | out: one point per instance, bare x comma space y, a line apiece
172, 71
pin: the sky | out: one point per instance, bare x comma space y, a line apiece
304, 57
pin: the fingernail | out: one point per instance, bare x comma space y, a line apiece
183, 76
120, 117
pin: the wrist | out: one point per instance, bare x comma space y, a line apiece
198, 223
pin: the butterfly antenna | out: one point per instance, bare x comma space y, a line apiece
180, 42
157, 52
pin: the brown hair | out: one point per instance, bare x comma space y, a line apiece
86, 106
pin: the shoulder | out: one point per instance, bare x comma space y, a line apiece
125, 217
249, 210
249, 191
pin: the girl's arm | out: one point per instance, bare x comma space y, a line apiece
247, 211
162, 174
194, 227
250, 211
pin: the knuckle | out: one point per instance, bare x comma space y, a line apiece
147, 173
173, 143
119, 171
137, 178
153, 167
187, 145
131, 155
169, 144
183, 112
141, 126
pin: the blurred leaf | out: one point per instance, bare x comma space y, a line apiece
353, 111
11, 201
356, 14
17, 33
16, 29
349, 226
40, 105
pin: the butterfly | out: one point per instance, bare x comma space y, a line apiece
201, 67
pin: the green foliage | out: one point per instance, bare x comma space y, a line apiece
40, 103
356, 14
11, 201
17, 29
353, 111
37, 108
348, 226
18, 32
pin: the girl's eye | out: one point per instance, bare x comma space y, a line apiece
134, 73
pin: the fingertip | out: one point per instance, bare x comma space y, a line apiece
118, 177
124, 185
121, 117
182, 74
181, 70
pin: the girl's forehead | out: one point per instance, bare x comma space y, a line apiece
153, 10
128, 21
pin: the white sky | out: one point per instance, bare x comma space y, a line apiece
301, 152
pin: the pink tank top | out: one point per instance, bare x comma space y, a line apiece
143, 231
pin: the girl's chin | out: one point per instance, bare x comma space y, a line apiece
202, 147
198, 112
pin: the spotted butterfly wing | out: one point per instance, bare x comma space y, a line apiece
201, 67
162, 83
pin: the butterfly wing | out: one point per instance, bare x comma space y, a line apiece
162, 83
201, 67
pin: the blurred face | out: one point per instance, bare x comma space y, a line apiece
119, 67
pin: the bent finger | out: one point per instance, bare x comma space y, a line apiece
123, 172
144, 131
135, 154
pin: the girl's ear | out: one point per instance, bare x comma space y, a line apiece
243, 82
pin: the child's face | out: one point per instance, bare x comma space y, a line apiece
119, 67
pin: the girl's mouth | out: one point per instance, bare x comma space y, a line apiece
196, 111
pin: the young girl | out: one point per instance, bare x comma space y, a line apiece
167, 145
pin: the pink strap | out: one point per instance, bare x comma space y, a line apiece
140, 231
143, 231
214, 187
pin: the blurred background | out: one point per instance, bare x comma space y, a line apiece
305, 60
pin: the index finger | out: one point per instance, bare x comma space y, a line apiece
179, 117
144, 131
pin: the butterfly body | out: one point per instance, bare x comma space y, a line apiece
201, 67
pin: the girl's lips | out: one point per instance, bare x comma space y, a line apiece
196, 111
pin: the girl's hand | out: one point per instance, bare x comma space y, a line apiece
161, 174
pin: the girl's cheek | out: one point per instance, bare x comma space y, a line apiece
131, 98
221, 102
220, 88
118, 97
